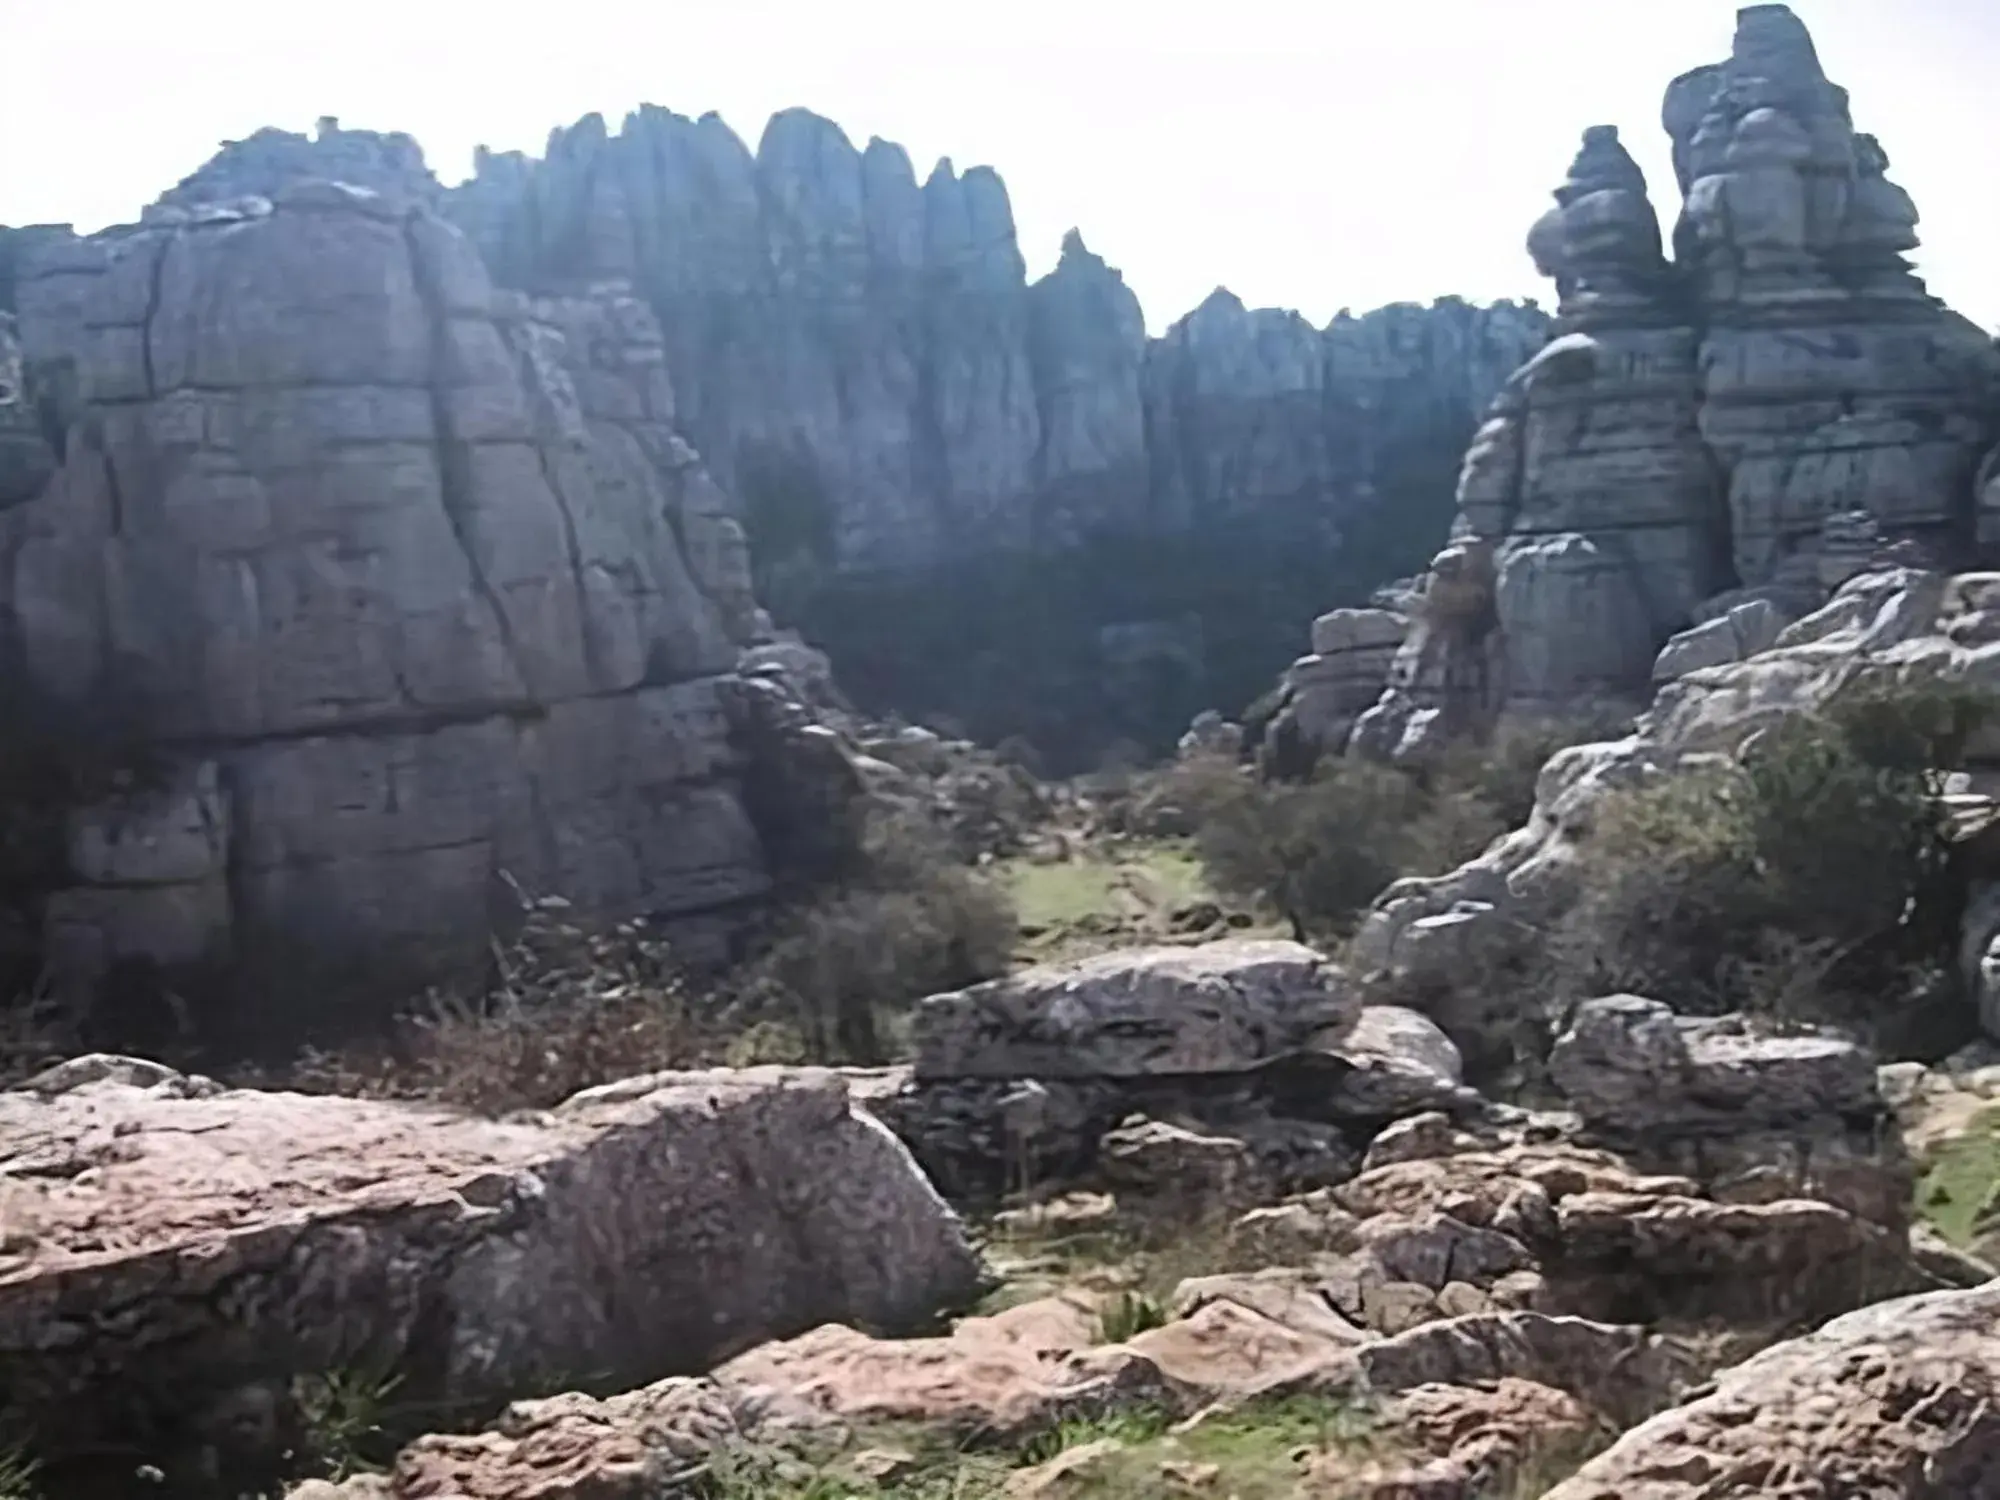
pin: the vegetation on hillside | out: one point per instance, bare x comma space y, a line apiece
1811, 876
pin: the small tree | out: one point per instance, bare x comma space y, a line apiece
1319, 851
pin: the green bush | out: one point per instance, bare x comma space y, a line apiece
911, 920
1811, 876
1318, 851
1321, 850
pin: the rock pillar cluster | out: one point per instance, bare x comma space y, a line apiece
1704, 431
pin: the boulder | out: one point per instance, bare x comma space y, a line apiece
171, 1241
1632, 1067
1896, 1399
1217, 1008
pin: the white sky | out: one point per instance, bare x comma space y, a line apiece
1305, 153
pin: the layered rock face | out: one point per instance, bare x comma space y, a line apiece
1708, 430
394, 587
916, 431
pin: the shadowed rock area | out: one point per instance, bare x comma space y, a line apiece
990, 499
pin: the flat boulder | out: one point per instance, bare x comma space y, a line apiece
1221, 1007
1633, 1067
169, 1242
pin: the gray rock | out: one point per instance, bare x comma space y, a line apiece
1218, 1008
1748, 628
663, 1223
408, 584
1632, 1067
1760, 436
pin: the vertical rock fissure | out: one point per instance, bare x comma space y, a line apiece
455, 489
572, 547
155, 275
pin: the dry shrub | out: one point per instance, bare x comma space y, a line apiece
910, 921
570, 1007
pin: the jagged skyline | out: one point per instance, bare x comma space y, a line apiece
1313, 157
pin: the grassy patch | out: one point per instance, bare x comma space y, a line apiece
1117, 893
1260, 1452
1111, 1261
1961, 1181
19, 1475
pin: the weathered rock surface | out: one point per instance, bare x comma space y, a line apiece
1895, 1400
975, 411
1632, 1067
1218, 1008
1703, 431
1256, 1058
169, 1241
398, 584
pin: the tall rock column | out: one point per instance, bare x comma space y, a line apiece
1831, 382
1589, 521
1711, 431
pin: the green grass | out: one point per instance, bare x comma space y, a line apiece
345, 1414
18, 1475
1128, 1315
1960, 1184
1257, 1453
1111, 895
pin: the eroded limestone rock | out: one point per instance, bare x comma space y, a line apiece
169, 1240
405, 586
1710, 428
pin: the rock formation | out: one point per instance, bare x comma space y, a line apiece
1703, 431
1885, 628
391, 587
1257, 1061
981, 494
662, 1223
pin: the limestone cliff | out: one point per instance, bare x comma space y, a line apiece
392, 587
992, 499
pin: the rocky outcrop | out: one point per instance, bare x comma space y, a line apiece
643, 1229
916, 430
394, 586
1757, 1115
1700, 432
1884, 628
1232, 1059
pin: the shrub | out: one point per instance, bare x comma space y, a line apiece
1811, 877
910, 921
1502, 771
1319, 851
570, 1007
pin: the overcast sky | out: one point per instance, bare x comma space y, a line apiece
1306, 153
